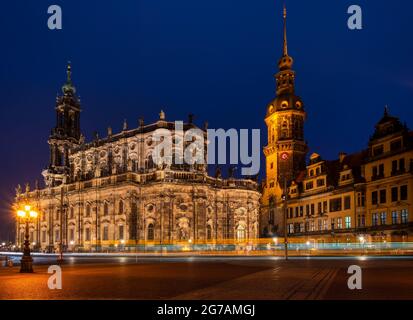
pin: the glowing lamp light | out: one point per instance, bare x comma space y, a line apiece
3, 244
34, 243
122, 241
307, 243
21, 213
361, 239
72, 243
275, 240
190, 240
27, 207
33, 214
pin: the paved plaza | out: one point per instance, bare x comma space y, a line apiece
212, 278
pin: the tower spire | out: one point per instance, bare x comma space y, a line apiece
68, 86
286, 61
69, 72
285, 46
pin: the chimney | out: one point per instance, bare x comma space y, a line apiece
341, 156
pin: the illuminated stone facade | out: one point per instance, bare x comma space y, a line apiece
367, 195
109, 193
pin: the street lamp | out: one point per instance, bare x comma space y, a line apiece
27, 215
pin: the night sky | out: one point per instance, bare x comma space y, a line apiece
213, 58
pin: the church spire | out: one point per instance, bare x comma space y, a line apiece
69, 72
286, 62
68, 86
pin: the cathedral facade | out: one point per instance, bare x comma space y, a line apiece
110, 193
363, 196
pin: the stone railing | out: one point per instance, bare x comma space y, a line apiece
145, 178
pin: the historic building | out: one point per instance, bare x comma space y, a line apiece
109, 192
364, 196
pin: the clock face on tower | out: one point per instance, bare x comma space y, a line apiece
284, 156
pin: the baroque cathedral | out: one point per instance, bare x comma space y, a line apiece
109, 192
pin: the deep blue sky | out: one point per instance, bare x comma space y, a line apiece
214, 58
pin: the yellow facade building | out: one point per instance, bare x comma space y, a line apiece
363, 196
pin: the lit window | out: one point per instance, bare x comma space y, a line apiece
339, 223
383, 218
404, 216
348, 222
312, 227
375, 219
394, 217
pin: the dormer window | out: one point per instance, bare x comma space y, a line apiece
320, 182
396, 145
345, 176
309, 185
378, 151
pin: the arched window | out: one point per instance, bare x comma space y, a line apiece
120, 207
209, 232
149, 162
88, 210
151, 234
241, 233
284, 129
105, 209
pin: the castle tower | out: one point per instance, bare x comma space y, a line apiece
286, 149
65, 135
